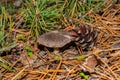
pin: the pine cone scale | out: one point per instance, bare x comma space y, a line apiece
84, 36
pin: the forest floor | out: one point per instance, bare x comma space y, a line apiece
22, 59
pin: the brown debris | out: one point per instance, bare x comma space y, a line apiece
91, 63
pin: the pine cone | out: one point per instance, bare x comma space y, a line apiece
84, 36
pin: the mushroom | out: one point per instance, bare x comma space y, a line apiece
55, 39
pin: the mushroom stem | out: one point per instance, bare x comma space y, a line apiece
56, 51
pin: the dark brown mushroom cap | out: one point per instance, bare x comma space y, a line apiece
54, 39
